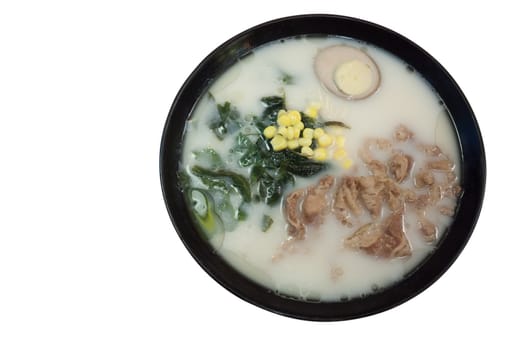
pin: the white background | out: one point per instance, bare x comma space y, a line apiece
88, 256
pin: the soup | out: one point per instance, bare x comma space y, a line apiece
321, 168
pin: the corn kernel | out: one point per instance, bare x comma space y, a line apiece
318, 132
270, 131
284, 120
320, 154
299, 126
282, 130
340, 141
292, 144
306, 151
294, 116
325, 140
307, 133
290, 133
346, 164
311, 111
279, 143
339, 154
304, 141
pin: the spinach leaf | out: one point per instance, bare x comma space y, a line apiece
272, 104
209, 156
300, 165
227, 120
286, 79
224, 180
270, 189
247, 149
267, 221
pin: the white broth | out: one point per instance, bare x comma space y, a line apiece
320, 267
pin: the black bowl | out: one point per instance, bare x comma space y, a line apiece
471, 148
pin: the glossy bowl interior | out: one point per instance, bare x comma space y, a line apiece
470, 142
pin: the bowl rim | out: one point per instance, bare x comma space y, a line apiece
463, 119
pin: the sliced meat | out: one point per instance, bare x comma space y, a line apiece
372, 194
422, 201
435, 194
456, 190
393, 195
395, 229
316, 200
385, 240
296, 227
377, 168
400, 166
427, 228
451, 177
410, 196
447, 211
365, 238
346, 200
452, 191
431, 150
441, 165
382, 144
423, 178
402, 133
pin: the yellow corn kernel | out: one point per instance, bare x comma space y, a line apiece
290, 133
279, 143
306, 151
325, 140
299, 126
292, 144
284, 120
320, 154
346, 164
318, 132
296, 133
304, 141
270, 132
282, 130
311, 111
339, 154
280, 112
340, 141
307, 133
294, 116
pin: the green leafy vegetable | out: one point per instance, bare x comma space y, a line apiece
311, 123
184, 180
272, 104
226, 121
203, 209
287, 79
224, 180
209, 157
336, 123
267, 221
247, 150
